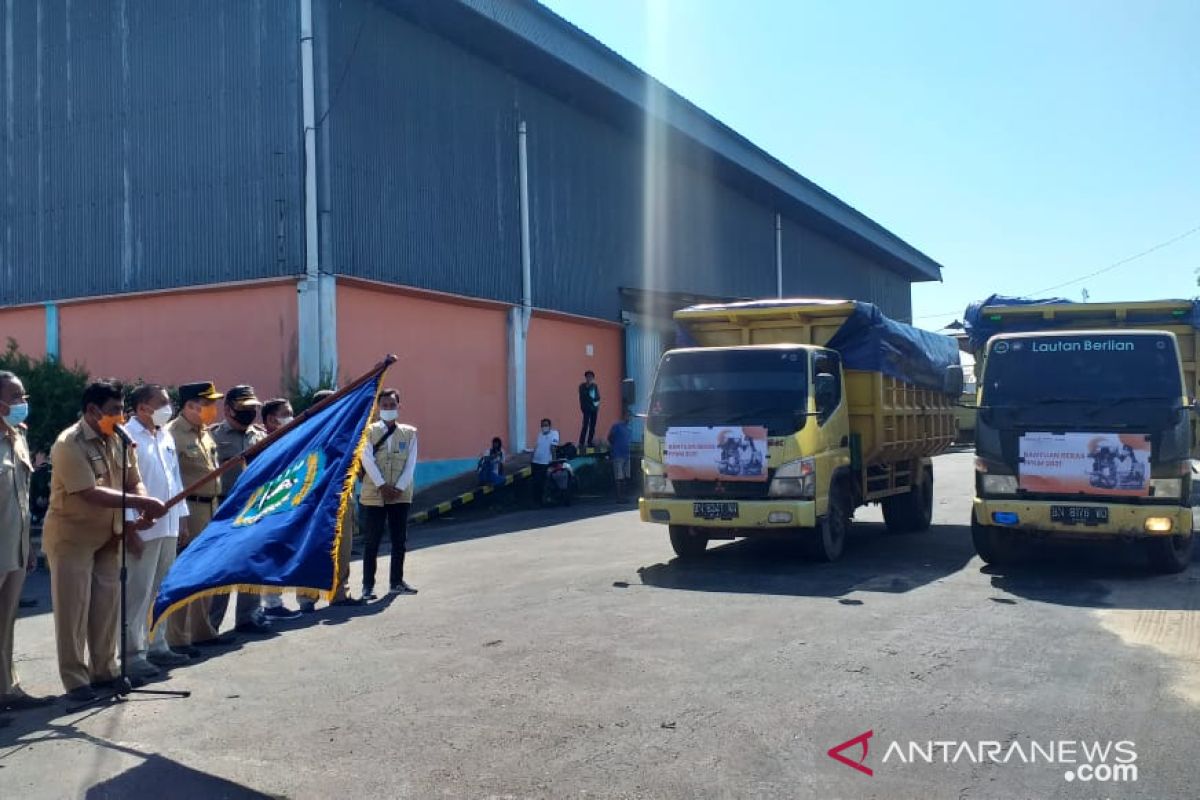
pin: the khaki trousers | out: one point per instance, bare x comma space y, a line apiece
86, 589
190, 624
10, 601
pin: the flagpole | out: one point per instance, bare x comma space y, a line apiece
378, 370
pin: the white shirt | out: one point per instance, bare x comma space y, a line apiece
159, 464
543, 451
392, 445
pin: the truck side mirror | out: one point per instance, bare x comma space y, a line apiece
953, 381
628, 392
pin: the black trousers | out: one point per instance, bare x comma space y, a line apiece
538, 478
587, 434
394, 517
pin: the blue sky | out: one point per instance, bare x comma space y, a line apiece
1020, 144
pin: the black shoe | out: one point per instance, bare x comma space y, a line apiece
368, 594
24, 702
189, 651
281, 612
254, 628
82, 694
349, 601
402, 588
308, 608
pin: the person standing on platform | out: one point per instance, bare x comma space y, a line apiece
589, 405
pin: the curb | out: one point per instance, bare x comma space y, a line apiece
468, 497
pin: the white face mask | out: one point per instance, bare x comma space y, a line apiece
545, 430
283, 421
389, 414
162, 416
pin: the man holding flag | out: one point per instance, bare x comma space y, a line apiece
279, 527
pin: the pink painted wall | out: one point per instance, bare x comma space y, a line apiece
230, 336
27, 326
453, 369
557, 354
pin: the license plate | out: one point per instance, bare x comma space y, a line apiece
715, 510
1078, 515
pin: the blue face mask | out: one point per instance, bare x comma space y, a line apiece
17, 413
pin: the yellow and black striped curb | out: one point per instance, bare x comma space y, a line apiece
469, 497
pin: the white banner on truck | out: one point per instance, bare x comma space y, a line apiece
1085, 463
731, 453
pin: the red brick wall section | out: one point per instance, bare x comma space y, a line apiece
27, 326
453, 369
558, 356
230, 336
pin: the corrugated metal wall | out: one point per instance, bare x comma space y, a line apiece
816, 266
154, 145
423, 137
147, 145
423, 159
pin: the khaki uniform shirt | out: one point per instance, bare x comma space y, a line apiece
390, 458
231, 443
197, 456
15, 470
82, 459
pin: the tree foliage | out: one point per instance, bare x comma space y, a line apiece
54, 392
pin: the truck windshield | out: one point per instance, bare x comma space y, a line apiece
731, 387
1085, 369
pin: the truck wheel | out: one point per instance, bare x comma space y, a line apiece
1170, 554
687, 542
994, 545
829, 539
913, 511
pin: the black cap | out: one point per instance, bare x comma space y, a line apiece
242, 396
204, 390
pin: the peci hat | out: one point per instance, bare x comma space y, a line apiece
242, 396
204, 390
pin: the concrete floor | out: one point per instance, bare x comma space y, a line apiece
566, 654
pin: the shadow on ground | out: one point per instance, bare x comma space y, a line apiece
480, 523
1095, 575
874, 561
150, 778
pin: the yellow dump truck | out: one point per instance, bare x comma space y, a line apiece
785, 416
1086, 425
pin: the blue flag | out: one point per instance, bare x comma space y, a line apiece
279, 526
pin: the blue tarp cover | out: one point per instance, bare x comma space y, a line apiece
980, 329
871, 342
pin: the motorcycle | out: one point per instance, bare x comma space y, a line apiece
561, 483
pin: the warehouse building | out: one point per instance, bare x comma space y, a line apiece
282, 191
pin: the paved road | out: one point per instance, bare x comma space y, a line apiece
565, 654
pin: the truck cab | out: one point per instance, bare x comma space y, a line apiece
763, 427
1084, 434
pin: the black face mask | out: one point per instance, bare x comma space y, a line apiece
245, 417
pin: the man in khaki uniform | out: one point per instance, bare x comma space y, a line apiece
197, 451
234, 436
389, 462
83, 529
16, 557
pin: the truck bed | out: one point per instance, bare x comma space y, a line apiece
891, 419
